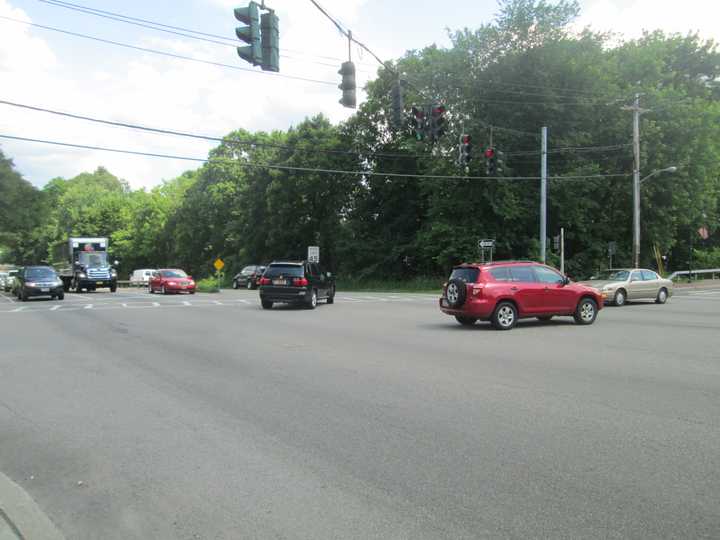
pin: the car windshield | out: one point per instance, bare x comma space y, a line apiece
173, 273
93, 259
40, 273
466, 274
292, 270
611, 275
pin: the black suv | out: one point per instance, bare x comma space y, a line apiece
248, 277
295, 282
38, 281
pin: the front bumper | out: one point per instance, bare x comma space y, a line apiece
42, 291
179, 289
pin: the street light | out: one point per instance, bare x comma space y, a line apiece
636, 212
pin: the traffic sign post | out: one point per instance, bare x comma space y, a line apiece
313, 254
219, 265
485, 244
612, 249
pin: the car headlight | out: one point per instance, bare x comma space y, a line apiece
58, 283
30, 283
82, 275
113, 272
172, 283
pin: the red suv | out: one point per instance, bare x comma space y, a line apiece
503, 292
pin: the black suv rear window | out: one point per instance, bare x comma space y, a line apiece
469, 275
292, 270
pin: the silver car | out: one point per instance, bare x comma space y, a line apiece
619, 285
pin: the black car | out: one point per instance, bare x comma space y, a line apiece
248, 277
38, 281
302, 283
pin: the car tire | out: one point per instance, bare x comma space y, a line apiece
248, 285
505, 316
61, 296
331, 297
23, 296
312, 303
662, 296
465, 321
456, 293
151, 290
620, 298
545, 318
162, 289
586, 311
192, 292
266, 304
235, 284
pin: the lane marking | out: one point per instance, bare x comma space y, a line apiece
17, 310
55, 308
7, 298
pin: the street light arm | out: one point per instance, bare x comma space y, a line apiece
654, 173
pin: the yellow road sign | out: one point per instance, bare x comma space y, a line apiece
219, 264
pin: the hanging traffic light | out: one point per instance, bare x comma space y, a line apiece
437, 122
464, 152
270, 41
348, 86
397, 104
250, 34
418, 122
490, 161
499, 161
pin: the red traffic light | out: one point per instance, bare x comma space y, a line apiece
465, 139
418, 113
438, 110
490, 153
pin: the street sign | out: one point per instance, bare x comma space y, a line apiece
219, 264
485, 243
612, 248
313, 254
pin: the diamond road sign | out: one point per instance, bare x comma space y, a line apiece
219, 264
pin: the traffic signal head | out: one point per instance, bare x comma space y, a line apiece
465, 146
270, 41
250, 34
348, 85
397, 104
490, 157
437, 122
418, 120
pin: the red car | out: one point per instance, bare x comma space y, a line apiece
504, 292
171, 280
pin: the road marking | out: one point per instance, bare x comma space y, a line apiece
8, 298
218, 303
16, 310
55, 308
186, 303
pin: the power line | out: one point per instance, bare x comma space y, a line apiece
231, 41
163, 28
300, 169
168, 54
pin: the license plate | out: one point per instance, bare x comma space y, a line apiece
279, 282
45, 289
99, 283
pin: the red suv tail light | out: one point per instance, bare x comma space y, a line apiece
264, 281
300, 282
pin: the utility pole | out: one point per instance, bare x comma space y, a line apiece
543, 195
637, 111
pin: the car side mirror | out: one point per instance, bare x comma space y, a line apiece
566, 280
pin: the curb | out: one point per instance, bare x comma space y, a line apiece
21, 517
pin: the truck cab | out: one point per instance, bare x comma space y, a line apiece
87, 265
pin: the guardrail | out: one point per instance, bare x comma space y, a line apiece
692, 273
128, 284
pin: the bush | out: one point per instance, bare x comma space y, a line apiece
208, 285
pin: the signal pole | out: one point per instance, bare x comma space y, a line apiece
543, 195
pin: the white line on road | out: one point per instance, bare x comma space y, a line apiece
55, 308
8, 298
18, 309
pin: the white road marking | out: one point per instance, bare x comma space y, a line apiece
55, 308
18, 309
88, 306
186, 303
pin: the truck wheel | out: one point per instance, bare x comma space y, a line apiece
113, 288
331, 297
266, 304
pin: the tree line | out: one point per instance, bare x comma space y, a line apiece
528, 68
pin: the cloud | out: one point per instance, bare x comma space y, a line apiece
158, 91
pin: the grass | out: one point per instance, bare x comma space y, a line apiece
207, 285
420, 284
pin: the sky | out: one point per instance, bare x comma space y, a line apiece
48, 69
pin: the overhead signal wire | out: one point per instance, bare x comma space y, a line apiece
301, 169
168, 54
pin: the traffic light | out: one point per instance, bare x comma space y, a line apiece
490, 162
499, 161
349, 97
397, 104
418, 120
250, 34
464, 152
270, 40
437, 122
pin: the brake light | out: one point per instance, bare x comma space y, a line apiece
477, 289
264, 281
300, 282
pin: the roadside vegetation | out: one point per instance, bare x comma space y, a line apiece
527, 69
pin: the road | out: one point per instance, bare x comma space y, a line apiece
135, 416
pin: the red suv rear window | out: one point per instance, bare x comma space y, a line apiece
468, 275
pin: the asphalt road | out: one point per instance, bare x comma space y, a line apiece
134, 416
